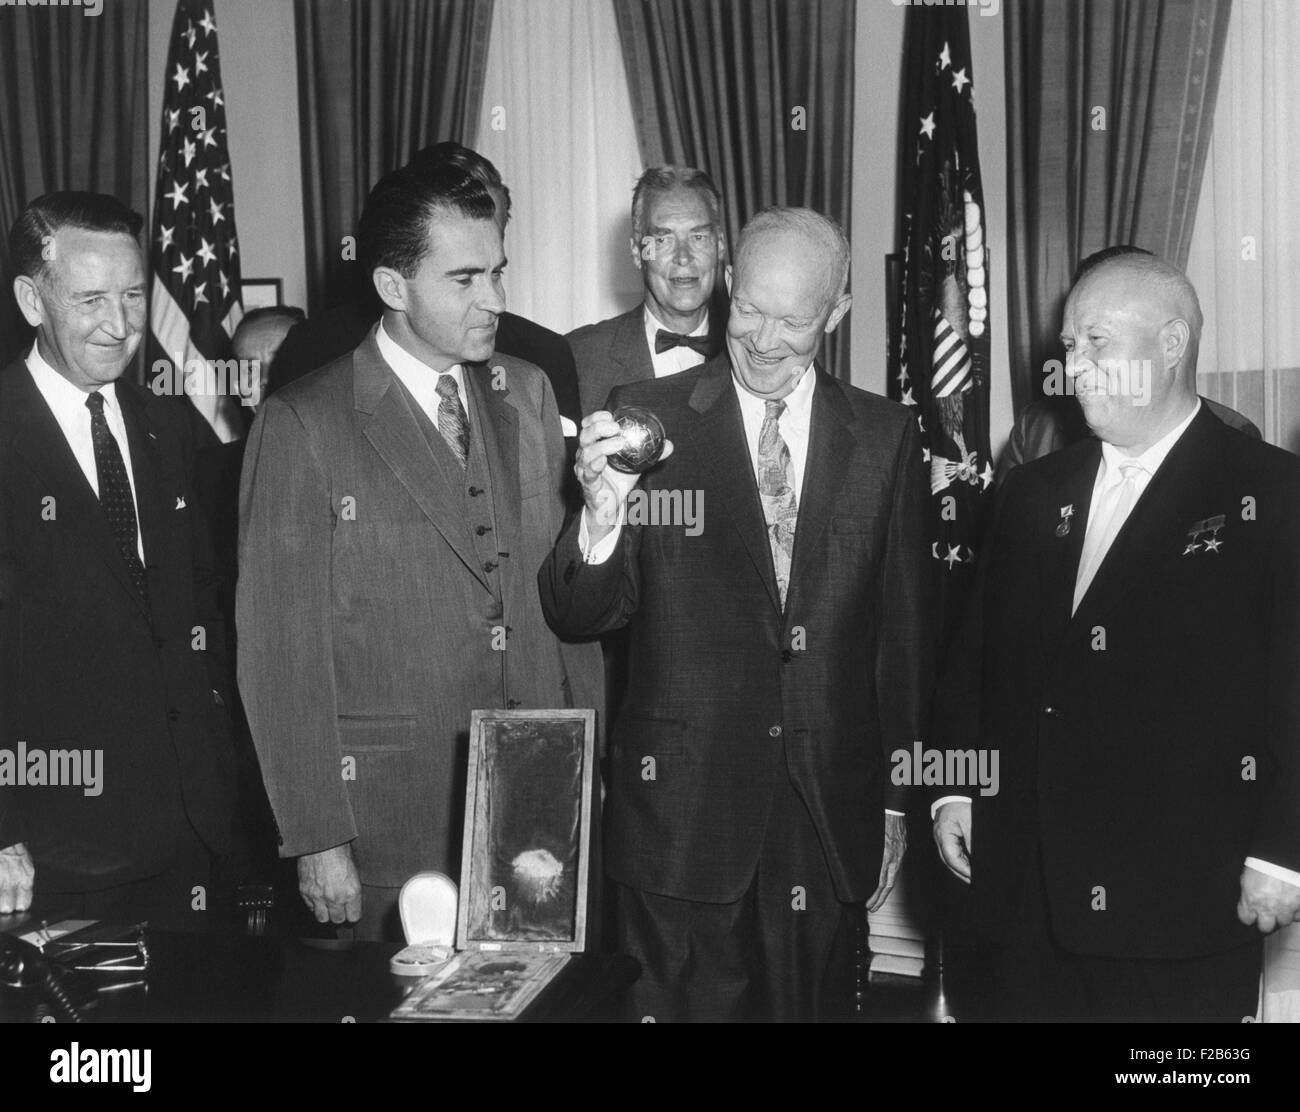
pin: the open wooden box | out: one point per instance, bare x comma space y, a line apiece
525, 864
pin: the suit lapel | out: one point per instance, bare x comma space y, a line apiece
830, 446
1155, 529
145, 470
629, 352
719, 437
38, 439
1060, 563
497, 421
388, 422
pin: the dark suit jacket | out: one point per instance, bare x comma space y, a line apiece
1124, 758
313, 343
85, 664
1050, 424
726, 692
614, 352
369, 617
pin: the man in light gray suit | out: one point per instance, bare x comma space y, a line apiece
394, 509
679, 246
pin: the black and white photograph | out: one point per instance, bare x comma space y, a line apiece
789, 510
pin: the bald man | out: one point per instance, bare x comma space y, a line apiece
1133, 655
780, 631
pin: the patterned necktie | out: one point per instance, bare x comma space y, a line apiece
1113, 509
776, 489
115, 491
452, 422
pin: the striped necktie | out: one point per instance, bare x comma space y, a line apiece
776, 490
452, 421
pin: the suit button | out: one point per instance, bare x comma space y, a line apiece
786, 656
474, 492
489, 566
173, 715
481, 529
511, 704
774, 731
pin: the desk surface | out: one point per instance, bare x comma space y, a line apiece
233, 978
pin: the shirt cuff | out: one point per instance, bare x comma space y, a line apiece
602, 550
1268, 868
934, 807
891, 811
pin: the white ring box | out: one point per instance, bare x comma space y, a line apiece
427, 905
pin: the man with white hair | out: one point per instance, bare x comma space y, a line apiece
1133, 654
779, 647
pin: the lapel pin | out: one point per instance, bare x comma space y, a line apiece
180, 503
1067, 512
1210, 525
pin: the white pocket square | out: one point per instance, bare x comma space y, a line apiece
180, 503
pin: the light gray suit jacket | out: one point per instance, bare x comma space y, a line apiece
375, 589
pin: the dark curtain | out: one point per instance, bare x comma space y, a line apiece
718, 85
1078, 181
377, 81
73, 115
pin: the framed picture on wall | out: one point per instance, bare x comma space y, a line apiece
261, 293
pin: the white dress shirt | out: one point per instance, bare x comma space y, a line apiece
68, 404
675, 359
419, 378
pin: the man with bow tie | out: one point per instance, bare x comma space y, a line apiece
779, 654
1132, 652
679, 246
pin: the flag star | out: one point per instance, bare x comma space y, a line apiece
200, 62
199, 295
177, 195
206, 23
167, 236
960, 80
927, 125
215, 210
925, 455
173, 119
187, 152
954, 556
208, 141
186, 267
181, 77
225, 283
907, 398
986, 476
231, 250
225, 171
945, 59
190, 35
205, 251
201, 178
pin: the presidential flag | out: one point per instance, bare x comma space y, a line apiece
940, 365
194, 251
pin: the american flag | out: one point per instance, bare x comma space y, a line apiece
194, 251
941, 364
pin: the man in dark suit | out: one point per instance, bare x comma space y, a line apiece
110, 644
1132, 655
780, 641
335, 333
394, 510
680, 246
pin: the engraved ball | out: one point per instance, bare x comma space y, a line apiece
645, 440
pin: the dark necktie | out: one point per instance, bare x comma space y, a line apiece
115, 491
452, 422
666, 341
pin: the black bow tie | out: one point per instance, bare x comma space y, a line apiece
666, 341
